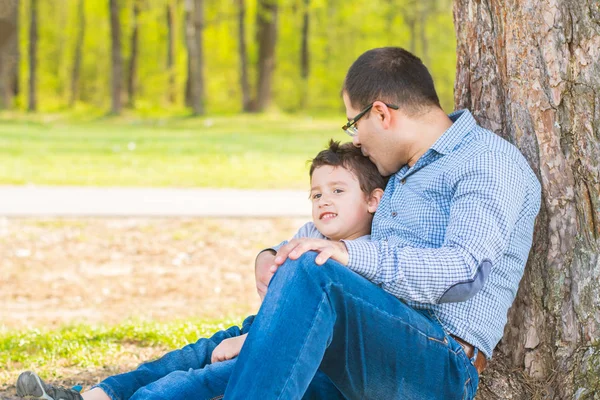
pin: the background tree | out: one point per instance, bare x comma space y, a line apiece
305, 53
528, 70
171, 90
116, 57
194, 42
266, 38
33, 50
133, 55
243, 56
76, 72
9, 52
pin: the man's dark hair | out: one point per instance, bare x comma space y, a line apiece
350, 157
392, 75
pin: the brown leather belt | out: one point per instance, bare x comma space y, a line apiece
480, 360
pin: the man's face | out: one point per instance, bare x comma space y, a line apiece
340, 209
377, 140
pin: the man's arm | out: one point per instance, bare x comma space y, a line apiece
489, 193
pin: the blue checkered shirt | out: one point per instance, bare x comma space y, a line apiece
453, 232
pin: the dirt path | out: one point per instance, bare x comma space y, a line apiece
102, 270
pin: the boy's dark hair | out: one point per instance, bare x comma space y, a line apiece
392, 75
350, 157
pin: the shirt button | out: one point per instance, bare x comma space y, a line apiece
394, 214
403, 181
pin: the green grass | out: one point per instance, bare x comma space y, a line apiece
84, 346
238, 151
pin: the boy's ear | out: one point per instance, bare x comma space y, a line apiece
374, 199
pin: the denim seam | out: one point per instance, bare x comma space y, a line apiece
218, 397
305, 340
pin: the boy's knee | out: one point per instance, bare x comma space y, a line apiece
303, 269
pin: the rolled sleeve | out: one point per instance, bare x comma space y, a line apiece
363, 258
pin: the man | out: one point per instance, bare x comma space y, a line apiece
415, 312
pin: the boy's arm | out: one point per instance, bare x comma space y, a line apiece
228, 349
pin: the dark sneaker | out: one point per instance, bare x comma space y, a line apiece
30, 385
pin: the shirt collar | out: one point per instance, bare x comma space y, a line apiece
462, 123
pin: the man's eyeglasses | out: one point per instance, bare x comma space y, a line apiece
351, 129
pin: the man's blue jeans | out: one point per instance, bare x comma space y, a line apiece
369, 343
187, 374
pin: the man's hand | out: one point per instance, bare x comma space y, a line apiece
326, 248
228, 349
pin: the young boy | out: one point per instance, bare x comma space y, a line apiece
345, 191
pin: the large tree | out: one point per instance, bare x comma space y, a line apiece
529, 70
9, 52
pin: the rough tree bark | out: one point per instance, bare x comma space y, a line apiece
9, 52
194, 16
266, 21
33, 42
76, 73
243, 56
529, 70
117, 58
133, 56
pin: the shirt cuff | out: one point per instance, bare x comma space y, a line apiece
363, 258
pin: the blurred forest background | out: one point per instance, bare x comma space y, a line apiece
165, 57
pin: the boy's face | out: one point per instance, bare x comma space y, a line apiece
340, 209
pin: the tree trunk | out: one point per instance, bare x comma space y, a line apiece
171, 51
528, 69
9, 52
117, 59
199, 32
78, 54
133, 57
266, 19
305, 54
243, 56
33, 41
193, 34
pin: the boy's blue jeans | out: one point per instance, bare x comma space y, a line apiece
369, 343
187, 374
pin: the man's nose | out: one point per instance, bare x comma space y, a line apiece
355, 141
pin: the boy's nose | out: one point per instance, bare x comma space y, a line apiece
324, 201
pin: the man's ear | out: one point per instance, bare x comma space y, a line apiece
374, 200
383, 113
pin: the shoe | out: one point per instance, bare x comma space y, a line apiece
29, 384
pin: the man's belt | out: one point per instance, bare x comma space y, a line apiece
480, 360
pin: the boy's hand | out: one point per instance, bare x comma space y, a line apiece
262, 271
326, 248
228, 349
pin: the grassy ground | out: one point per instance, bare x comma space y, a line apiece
84, 354
239, 151
86, 298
